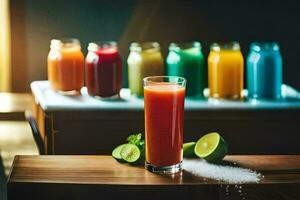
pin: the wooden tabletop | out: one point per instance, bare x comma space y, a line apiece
107, 171
13, 105
15, 139
94, 177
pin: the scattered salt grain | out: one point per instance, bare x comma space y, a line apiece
229, 174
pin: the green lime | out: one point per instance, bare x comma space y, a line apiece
188, 149
211, 147
130, 153
116, 152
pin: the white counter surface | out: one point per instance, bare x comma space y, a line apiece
50, 101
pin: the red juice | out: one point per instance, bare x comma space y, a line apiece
103, 70
164, 115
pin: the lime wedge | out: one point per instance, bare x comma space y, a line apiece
211, 147
188, 149
116, 152
130, 153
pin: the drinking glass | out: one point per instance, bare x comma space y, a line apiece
164, 116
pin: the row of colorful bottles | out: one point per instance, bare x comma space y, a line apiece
224, 74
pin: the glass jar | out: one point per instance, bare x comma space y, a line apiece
264, 71
66, 66
103, 69
187, 60
145, 59
225, 71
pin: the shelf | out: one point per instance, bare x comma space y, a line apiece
50, 101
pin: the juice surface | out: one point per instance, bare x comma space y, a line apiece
164, 115
225, 74
66, 69
104, 73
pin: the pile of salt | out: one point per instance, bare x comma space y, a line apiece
228, 174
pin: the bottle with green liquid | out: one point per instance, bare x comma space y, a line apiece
186, 60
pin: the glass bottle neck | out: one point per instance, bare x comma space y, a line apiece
69, 44
145, 47
231, 46
265, 46
184, 46
105, 47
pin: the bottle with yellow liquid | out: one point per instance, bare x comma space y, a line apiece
145, 59
225, 71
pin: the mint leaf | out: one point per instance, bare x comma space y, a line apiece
134, 139
141, 145
137, 140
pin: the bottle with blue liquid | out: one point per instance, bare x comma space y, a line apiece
264, 71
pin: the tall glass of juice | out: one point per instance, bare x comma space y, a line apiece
164, 111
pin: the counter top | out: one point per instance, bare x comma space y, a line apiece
51, 101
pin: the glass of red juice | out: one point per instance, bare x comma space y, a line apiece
164, 116
103, 70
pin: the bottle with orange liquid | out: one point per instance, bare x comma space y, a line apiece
66, 66
225, 71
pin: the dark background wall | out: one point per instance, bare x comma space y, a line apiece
35, 23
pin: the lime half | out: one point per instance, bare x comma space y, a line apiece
188, 149
130, 153
211, 147
116, 152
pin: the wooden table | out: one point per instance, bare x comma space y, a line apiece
15, 139
15, 133
13, 105
101, 177
85, 125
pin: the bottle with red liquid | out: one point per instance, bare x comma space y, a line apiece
103, 70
